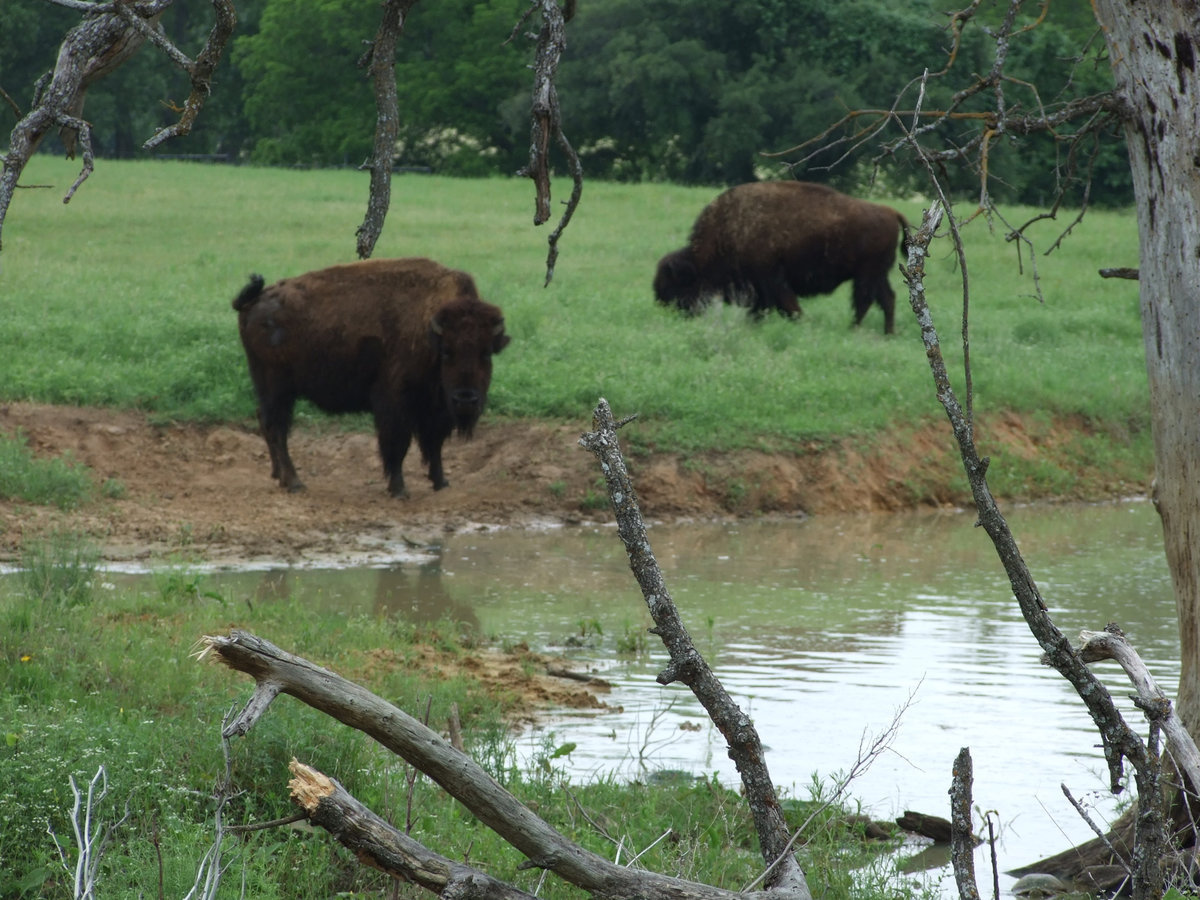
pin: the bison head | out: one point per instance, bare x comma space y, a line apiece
466, 334
677, 281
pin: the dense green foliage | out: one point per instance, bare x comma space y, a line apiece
99, 670
689, 91
153, 329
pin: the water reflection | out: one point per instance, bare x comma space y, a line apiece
822, 629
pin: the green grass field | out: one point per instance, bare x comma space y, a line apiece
121, 298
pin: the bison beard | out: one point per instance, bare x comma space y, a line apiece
407, 340
764, 244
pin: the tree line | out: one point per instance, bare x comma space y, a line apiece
688, 91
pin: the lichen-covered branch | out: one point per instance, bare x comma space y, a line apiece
546, 120
380, 62
688, 665
108, 36
93, 48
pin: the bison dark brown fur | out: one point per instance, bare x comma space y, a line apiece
766, 243
407, 340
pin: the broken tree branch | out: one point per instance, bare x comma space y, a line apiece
388, 849
276, 671
380, 62
688, 665
962, 839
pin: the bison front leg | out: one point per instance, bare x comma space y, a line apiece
772, 291
431, 448
394, 438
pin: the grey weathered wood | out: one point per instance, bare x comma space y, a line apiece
962, 839
380, 62
688, 665
278, 672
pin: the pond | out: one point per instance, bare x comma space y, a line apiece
825, 630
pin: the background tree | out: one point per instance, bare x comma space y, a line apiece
306, 102
685, 90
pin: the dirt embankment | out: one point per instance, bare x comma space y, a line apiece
206, 491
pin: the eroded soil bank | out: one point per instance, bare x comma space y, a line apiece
205, 490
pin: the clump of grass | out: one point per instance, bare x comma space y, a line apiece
59, 571
60, 482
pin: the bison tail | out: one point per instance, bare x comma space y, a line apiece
249, 293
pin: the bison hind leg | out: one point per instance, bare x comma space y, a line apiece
274, 421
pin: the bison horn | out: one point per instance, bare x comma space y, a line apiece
499, 329
436, 326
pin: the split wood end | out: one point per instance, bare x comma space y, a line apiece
309, 787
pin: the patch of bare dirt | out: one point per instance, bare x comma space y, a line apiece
206, 490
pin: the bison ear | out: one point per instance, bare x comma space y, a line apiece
500, 340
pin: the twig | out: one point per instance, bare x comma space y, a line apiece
1099, 832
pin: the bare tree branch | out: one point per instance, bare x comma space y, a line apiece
90, 50
108, 36
380, 61
688, 665
547, 120
200, 72
1120, 742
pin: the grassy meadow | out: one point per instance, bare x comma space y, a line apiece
121, 298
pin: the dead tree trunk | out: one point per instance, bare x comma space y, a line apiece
1155, 50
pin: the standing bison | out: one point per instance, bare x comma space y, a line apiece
766, 243
405, 339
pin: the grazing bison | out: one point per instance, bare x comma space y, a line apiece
405, 339
765, 243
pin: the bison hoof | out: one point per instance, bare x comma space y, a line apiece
296, 487
438, 485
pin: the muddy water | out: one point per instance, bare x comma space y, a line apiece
823, 630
